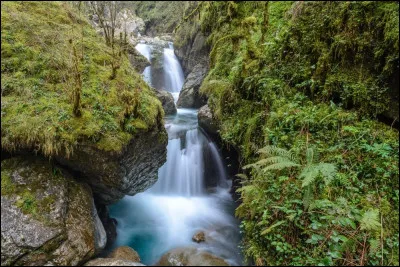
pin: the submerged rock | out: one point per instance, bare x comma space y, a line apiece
206, 120
167, 101
112, 262
190, 256
199, 237
46, 216
115, 174
125, 253
190, 97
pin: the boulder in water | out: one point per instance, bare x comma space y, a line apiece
125, 253
190, 97
199, 237
190, 256
112, 262
206, 120
47, 218
167, 101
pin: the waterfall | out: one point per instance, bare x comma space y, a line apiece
182, 174
222, 175
173, 75
178, 205
145, 50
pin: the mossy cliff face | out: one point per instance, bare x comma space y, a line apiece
309, 76
46, 216
118, 113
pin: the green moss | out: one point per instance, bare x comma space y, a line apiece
317, 81
37, 83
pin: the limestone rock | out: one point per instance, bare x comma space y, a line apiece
190, 96
190, 256
206, 120
125, 253
46, 216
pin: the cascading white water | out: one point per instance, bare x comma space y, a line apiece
145, 50
173, 75
223, 177
179, 204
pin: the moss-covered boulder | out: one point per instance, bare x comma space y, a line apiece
52, 56
190, 96
190, 256
46, 216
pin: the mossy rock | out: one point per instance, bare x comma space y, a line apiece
46, 216
36, 111
38, 40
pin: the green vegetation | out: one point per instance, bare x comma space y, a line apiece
303, 84
159, 16
45, 45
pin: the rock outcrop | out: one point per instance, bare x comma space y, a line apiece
206, 121
115, 174
46, 216
193, 51
190, 256
190, 96
167, 101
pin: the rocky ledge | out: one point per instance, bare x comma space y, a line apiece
47, 218
115, 174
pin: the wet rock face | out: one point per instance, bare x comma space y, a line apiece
189, 256
125, 253
195, 51
206, 121
112, 262
46, 216
167, 101
199, 237
190, 96
113, 175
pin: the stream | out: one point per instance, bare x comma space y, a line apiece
181, 202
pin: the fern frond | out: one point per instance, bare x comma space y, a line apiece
309, 174
308, 197
280, 166
370, 220
276, 151
328, 171
276, 159
242, 176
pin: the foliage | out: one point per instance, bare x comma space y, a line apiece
304, 93
38, 81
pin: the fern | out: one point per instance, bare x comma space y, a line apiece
370, 220
280, 166
311, 172
276, 151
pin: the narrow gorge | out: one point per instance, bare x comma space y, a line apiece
199, 133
